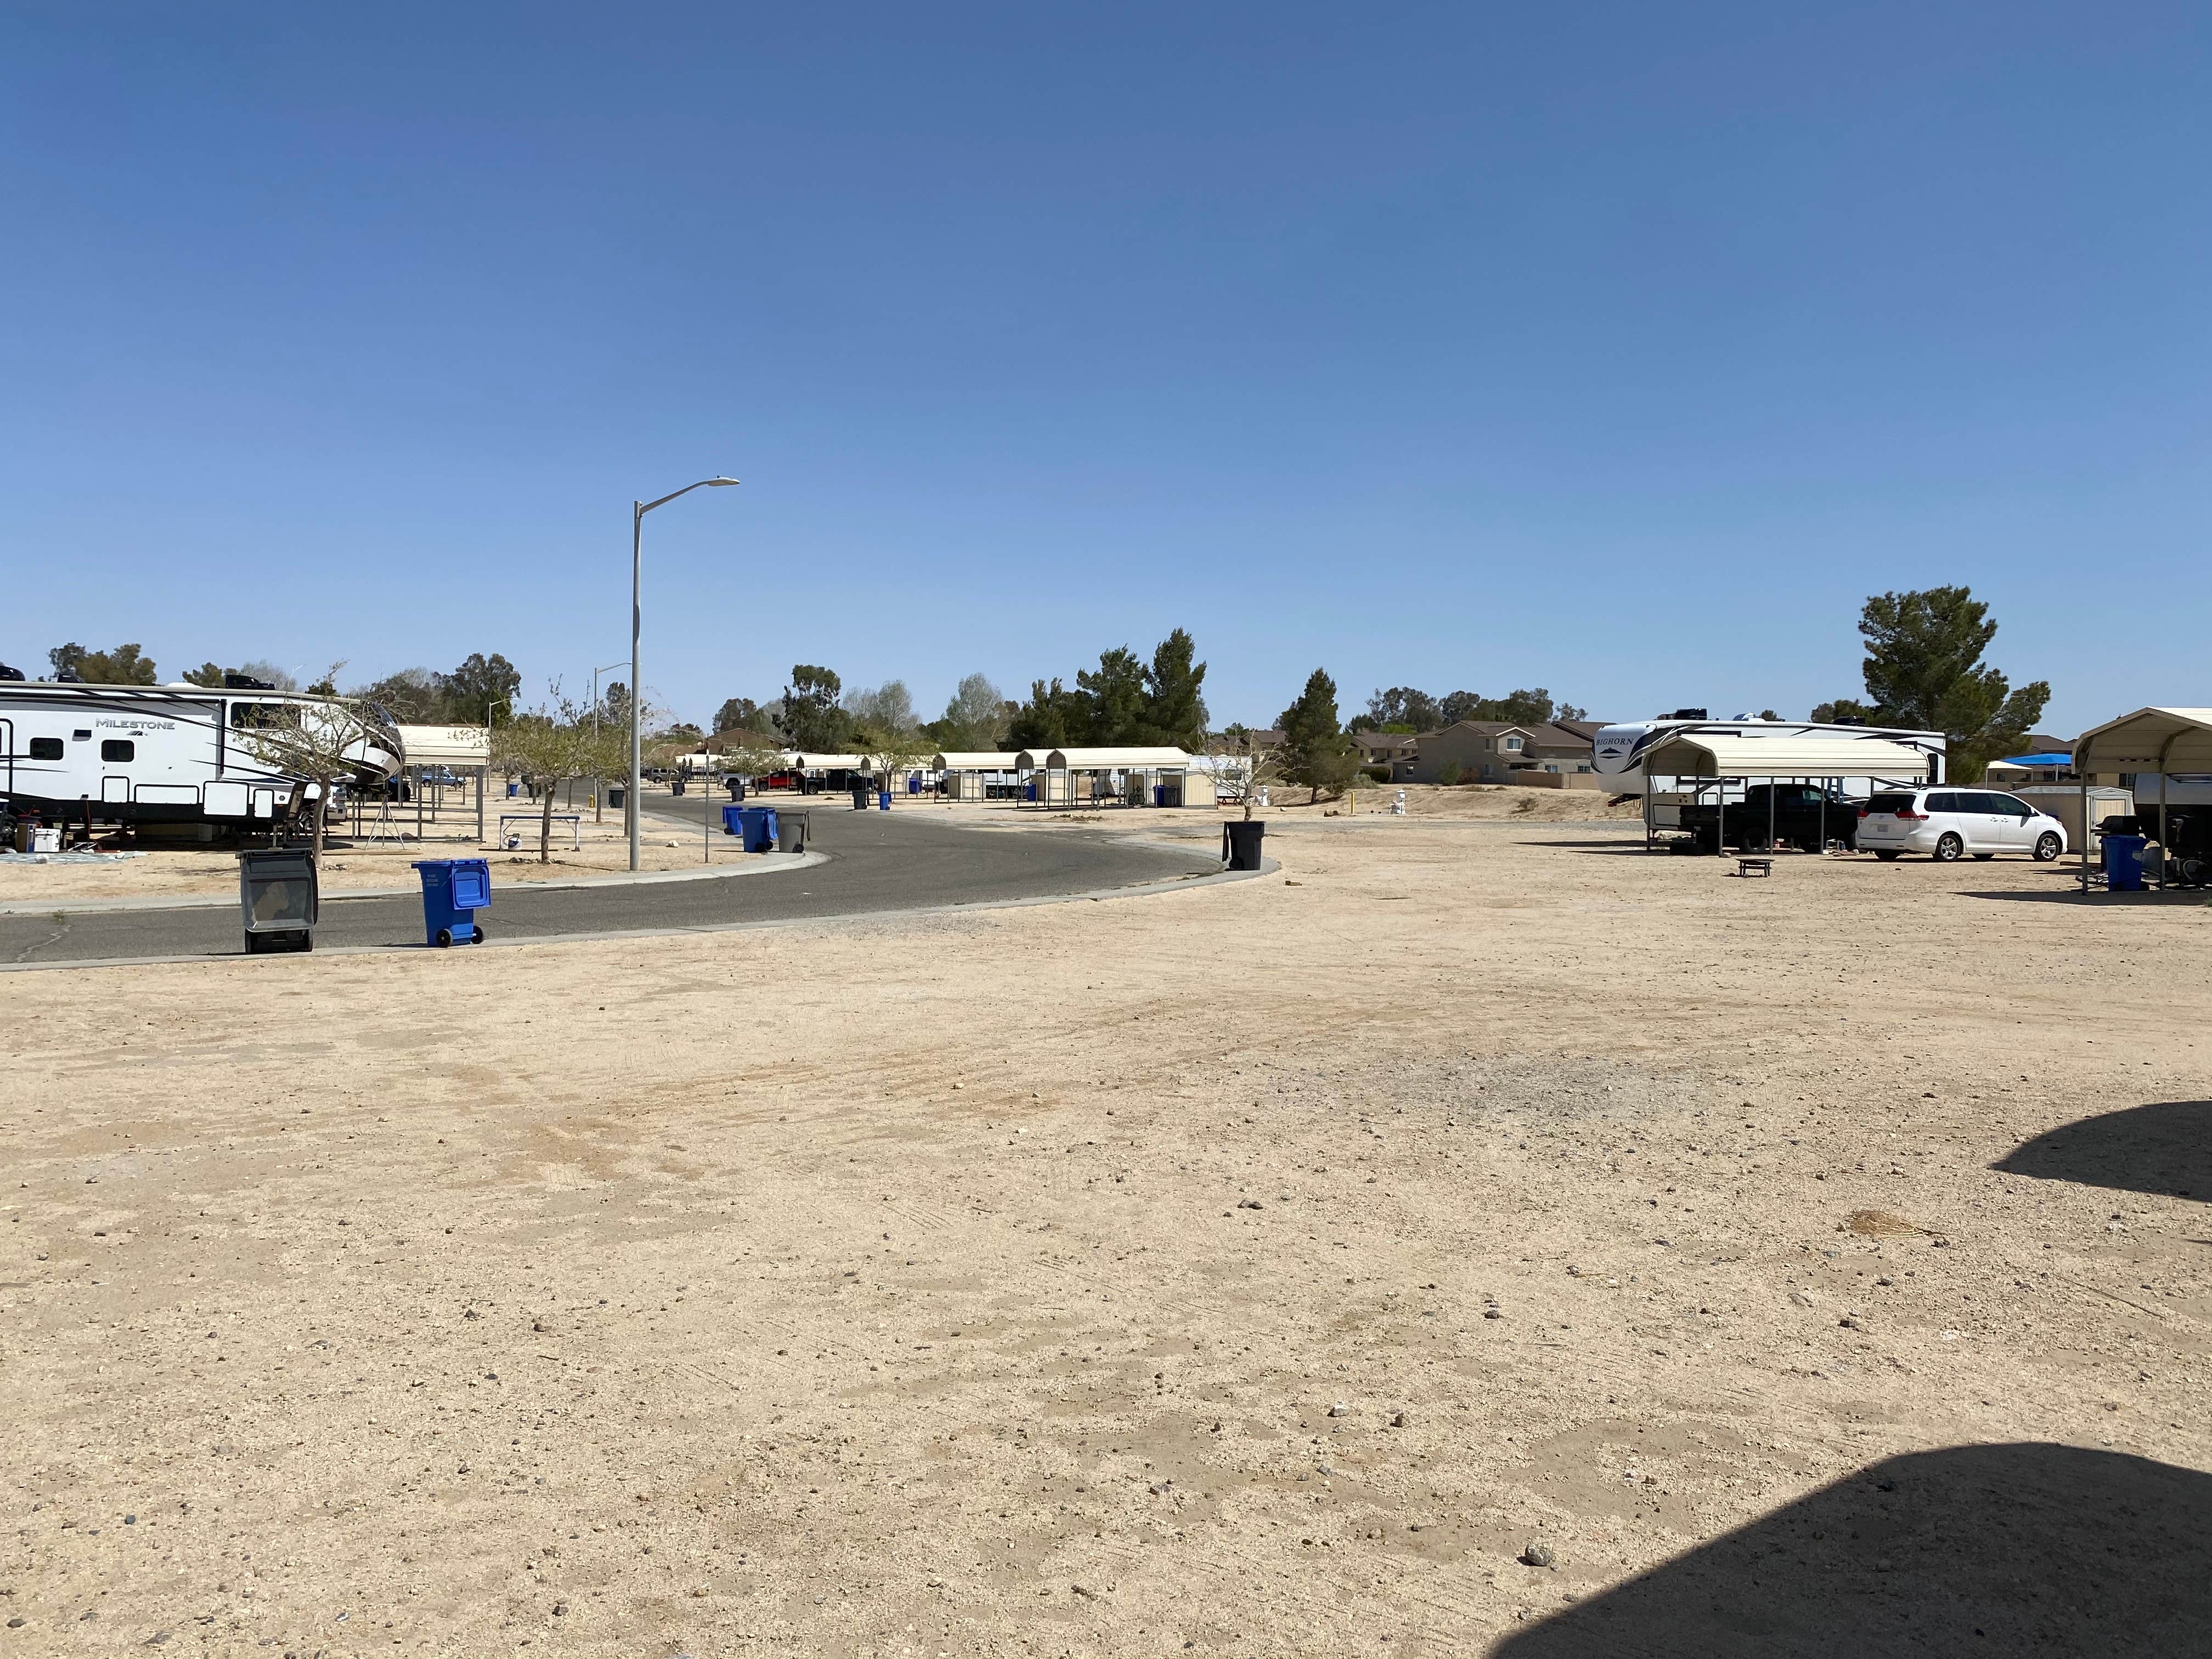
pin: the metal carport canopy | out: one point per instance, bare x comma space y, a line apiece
446, 745
1104, 760
2160, 740
1796, 755
975, 760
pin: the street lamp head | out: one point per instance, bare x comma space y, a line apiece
719, 482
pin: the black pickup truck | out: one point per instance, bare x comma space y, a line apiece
1801, 814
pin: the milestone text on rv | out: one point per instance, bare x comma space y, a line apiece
189, 755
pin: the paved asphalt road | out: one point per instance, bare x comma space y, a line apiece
879, 861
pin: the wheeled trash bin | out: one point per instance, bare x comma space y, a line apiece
1240, 842
791, 832
453, 892
756, 824
278, 898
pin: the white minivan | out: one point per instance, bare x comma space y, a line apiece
1949, 823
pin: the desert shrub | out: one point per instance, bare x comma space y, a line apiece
1450, 772
1380, 773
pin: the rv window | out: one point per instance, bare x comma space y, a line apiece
45, 748
119, 748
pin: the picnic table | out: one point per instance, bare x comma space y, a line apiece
574, 820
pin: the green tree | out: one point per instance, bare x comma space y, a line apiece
1402, 706
812, 717
412, 697
1315, 752
479, 686
1174, 705
123, 666
1054, 718
1846, 711
1117, 690
977, 717
1924, 670
737, 715
207, 674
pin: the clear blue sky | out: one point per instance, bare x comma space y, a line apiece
1620, 349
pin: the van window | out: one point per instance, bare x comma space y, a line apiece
1946, 800
1889, 803
45, 748
2013, 804
118, 749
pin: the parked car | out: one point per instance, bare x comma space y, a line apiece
1799, 814
443, 775
1952, 823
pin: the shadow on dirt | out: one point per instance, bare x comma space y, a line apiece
2164, 1148
2001, 1549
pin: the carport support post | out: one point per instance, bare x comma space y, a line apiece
481, 771
2083, 779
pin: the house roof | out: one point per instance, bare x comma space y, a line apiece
1545, 734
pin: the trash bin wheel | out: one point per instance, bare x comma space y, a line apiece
445, 937
479, 938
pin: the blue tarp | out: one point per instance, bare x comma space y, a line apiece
2060, 759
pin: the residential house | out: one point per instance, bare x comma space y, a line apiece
1383, 748
1493, 751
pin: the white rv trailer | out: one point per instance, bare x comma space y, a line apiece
158, 754
1622, 748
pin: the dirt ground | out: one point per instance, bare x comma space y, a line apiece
1815, 1264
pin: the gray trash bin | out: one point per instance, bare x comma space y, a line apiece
791, 832
278, 899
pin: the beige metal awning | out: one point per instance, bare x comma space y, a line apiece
977, 760
2160, 740
1785, 755
1104, 760
446, 745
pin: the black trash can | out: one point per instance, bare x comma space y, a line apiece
278, 897
737, 788
863, 797
1240, 842
617, 795
791, 832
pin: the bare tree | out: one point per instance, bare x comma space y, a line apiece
319, 742
553, 744
1241, 764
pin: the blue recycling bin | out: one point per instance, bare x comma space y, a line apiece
884, 799
2123, 863
756, 823
453, 890
512, 789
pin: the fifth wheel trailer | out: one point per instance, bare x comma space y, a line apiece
180, 755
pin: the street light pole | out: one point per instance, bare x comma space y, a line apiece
638, 510
599, 785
